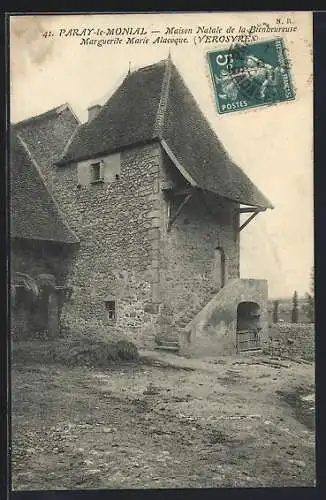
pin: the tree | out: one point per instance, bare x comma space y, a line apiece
275, 311
295, 312
309, 305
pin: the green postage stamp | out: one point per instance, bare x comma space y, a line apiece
249, 76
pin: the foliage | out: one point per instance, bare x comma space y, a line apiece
295, 312
275, 311
309, 305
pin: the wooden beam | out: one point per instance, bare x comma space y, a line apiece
181, 169
248, 210
179, 209
252, 216
184, 191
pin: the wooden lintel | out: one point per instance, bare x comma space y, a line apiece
179, 209
252, 216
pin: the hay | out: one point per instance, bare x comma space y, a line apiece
74, 352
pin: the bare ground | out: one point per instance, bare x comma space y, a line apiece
166, 422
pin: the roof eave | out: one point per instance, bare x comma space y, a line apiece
76, 159
189, 178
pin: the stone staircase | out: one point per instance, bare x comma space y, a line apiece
213, 329
210, 327
169, 340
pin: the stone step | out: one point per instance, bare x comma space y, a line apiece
167, 341
251, 349
148, 341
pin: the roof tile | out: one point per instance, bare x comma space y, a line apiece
154, 103
34, 214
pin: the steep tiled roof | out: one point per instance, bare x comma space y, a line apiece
127, 118
34, 215
153, 103
47, 134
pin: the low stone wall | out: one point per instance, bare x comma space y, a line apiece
292, 340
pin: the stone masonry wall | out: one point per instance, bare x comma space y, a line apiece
117, 224
187, 252
295, 340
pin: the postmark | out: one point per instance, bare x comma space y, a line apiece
250, 76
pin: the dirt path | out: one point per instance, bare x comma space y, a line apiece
169, 422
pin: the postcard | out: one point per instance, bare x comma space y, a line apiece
162, 272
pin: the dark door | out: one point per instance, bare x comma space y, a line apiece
248, 326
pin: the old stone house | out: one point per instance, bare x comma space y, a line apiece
155, 202
42, 244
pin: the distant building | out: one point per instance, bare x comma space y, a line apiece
155, 202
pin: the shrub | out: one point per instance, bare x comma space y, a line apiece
295, 312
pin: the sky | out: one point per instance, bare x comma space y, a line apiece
273, 145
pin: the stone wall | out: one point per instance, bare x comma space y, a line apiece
127, 255
188, 250
292, 340
117, 224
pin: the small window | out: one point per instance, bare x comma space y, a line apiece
96, 172
111, 309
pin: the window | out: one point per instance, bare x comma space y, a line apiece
111, 309
97, 172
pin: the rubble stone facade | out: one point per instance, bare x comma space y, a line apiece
128, 259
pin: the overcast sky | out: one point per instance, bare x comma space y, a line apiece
273, 145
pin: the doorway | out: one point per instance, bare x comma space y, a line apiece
248, 326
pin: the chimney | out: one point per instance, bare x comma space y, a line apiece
93, 111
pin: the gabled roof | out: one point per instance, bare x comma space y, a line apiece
127, 118
47, 134
34, 215
153, 103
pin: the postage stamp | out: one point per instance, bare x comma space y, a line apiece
250, 76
